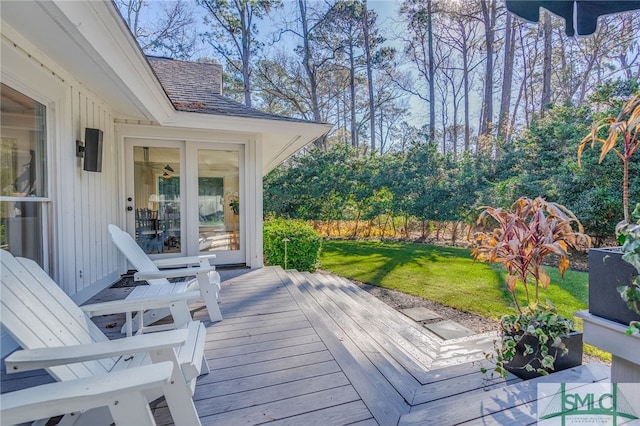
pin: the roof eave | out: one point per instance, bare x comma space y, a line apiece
92, 44
281, 138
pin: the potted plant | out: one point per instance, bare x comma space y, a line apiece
234, 203
629, 236
607, 269
536, 340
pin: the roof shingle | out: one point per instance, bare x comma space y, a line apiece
197, 87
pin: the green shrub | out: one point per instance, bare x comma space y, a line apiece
303, 247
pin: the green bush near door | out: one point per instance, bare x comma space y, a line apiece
302, 246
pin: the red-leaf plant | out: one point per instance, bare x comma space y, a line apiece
528, 232
625, 127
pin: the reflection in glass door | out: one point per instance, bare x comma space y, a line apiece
218, 200
23, 176
157, 198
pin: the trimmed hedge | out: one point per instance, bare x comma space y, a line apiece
303, 247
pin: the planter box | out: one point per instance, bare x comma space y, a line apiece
611, 337
572, 359
607, 271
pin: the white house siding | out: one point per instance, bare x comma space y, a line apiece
93, 202
83, 260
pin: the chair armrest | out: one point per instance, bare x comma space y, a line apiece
126, 305
58, 398
172, 273
173, 262
35, 359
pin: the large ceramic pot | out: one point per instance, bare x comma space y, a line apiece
607, 272
573, 358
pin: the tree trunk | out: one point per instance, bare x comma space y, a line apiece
625, 189
310, 70
467, 124
246, 55
352, 91
507, 79
367, 50
432, 83
546, 68
489, 17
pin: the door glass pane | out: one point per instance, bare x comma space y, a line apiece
23, 171
157, 199
218, 200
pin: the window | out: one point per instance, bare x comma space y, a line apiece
23, 176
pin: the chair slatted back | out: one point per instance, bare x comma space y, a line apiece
134, 253
146, 219
37, 313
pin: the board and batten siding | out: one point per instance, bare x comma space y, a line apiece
83, 260
94, 200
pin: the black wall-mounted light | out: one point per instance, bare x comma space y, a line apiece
91, 150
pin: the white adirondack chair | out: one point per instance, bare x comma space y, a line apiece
121, 392
59, 336
207, 280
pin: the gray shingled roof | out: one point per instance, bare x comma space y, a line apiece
197, 87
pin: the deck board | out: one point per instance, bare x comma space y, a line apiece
383, 401
386, 332
215, 352
238, 385
351, 413
258, 330
259, 338
284, 408
234, 401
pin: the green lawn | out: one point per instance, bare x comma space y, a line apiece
448, 276
445, 275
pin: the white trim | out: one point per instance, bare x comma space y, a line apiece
144, 131
129, 144
610, 336
255, 257
18, 72
245, 193
194, 120
189, 142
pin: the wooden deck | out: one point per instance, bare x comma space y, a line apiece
297, 348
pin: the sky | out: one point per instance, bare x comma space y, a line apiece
390, 28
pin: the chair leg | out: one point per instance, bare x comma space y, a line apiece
177, 393
97, 416
209, 293
132, 409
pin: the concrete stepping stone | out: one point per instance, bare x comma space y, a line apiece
420, 314
449, 329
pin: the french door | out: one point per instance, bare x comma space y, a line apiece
185, 198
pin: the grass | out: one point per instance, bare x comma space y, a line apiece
448, 276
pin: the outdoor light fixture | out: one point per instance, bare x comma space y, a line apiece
169, 168
91, 150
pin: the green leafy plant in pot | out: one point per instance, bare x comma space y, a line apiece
534, 338
629, 236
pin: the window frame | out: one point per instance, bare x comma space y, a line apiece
45, 202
